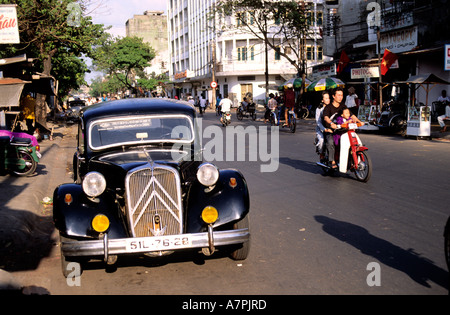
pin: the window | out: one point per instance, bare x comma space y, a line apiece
252, 53
242, 53
319, 18
309, 53
319, 53
277, 53
240, 19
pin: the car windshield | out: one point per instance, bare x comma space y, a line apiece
133, 130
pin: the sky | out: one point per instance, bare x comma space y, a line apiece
115, 13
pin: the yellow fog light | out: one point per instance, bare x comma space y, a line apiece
100, 223
210, 215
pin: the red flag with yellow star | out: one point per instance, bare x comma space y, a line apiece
388, 59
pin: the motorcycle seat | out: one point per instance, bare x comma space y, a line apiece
20, 141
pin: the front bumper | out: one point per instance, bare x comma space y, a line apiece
105, 247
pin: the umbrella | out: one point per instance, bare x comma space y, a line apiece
325, 84
296, 83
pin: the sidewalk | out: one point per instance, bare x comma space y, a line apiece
27, 234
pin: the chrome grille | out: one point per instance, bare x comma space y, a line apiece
154, 201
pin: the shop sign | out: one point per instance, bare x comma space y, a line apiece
9, 28
180, 75
363, 73
400, 40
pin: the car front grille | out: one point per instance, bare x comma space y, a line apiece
154, 201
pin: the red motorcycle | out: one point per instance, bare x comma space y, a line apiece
351, 154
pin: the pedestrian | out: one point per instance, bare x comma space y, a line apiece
202, 104
352, 100
289, 102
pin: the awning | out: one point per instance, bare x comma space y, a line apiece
10, 92
425, 78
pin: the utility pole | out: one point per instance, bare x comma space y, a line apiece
213, 72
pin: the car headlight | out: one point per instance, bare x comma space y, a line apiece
207, 174
94, 184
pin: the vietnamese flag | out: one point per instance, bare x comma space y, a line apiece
343, 62
388, 59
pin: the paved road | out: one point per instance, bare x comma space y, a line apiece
311, 234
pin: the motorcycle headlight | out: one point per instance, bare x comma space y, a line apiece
207, 174
94, 184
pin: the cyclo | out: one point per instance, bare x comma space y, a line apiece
249, 111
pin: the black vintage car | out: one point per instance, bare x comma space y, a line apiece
141, 187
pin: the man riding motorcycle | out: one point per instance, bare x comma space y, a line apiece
225, 106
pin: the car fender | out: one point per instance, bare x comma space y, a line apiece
230, 198
73, 216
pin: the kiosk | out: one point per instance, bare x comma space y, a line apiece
419, 116
419, 121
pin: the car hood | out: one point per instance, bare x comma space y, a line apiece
114, 165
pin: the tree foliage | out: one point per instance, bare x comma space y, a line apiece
123, 59
46, 34
273, 22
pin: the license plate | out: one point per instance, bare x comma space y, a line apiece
143, 244
352, 126
291, 112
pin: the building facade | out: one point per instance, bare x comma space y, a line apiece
416, 31
152, 28
204, 46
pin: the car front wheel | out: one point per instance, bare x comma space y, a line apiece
242, 251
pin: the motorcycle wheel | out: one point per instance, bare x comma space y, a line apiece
239, 115
29, 167
254, 116
363, 170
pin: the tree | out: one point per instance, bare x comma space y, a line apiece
47, 31
123, 58
275, 23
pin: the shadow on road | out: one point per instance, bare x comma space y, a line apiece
305, 166
420, 269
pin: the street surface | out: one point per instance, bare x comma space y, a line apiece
311, 234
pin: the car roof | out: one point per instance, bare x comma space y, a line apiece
137, 106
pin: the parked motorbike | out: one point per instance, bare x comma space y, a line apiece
226, 119
350, 155
19, 155
250, 111
393, 117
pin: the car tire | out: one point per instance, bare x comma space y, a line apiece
242, 252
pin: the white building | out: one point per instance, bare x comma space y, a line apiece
197, 41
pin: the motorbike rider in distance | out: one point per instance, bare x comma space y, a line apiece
329, 113
225, 106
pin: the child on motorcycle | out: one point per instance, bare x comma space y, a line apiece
345, 117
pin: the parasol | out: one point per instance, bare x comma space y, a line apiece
325, 84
